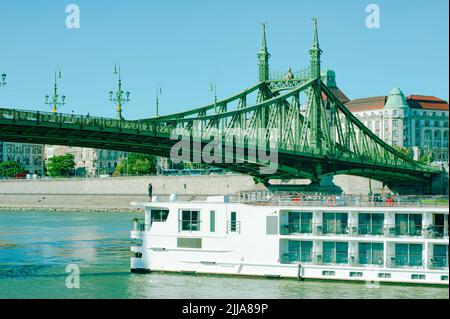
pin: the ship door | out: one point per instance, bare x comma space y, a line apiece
439, 224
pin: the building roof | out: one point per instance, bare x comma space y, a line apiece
338, 93
427, 102
396, 100
413, 101
367, 104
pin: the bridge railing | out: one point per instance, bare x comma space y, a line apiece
275, 75
73, 119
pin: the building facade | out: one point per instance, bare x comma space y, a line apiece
86, 159
29, 156
416, 122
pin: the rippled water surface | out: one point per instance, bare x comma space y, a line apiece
36, 248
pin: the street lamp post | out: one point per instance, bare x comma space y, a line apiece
119, 97
3, 80
214, 89
158, 93
55, 102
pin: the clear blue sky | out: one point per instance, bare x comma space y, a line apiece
185, 45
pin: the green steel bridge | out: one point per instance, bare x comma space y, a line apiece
293, 114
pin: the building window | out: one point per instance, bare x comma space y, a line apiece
395, 123
395, 133
190, 220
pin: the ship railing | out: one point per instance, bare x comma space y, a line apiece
406, 261
234, 227
138, 224
438, 262
300, 199
363, 230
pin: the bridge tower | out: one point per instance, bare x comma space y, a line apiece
263, 57
319, 135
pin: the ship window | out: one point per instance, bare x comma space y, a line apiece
137, 255
159, 215
328, 273
233, 223
444, 278
384, 275
212, 221
190, 220
356, 274
417, 277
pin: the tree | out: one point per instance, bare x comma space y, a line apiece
60, 165
407, 151
10, 169
137, 164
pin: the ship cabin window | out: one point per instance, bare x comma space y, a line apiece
328, 273
159, 215
417, 277
384, 275
300, 251
335, 252
408, 224
440, 256
335, 223
370, 254
190, 220
444, 278
407, 255
440, 225
299, 223
356, 274
370, 224
212, 221
234, 225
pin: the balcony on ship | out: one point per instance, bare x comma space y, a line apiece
138, 228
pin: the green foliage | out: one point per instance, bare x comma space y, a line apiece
10, 169
407, 151
137, 164
425, 158
60, 165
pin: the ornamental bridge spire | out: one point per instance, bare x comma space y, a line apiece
315, 53
263, 57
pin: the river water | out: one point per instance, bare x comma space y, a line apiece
36, 248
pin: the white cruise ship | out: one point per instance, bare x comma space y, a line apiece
397, 240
